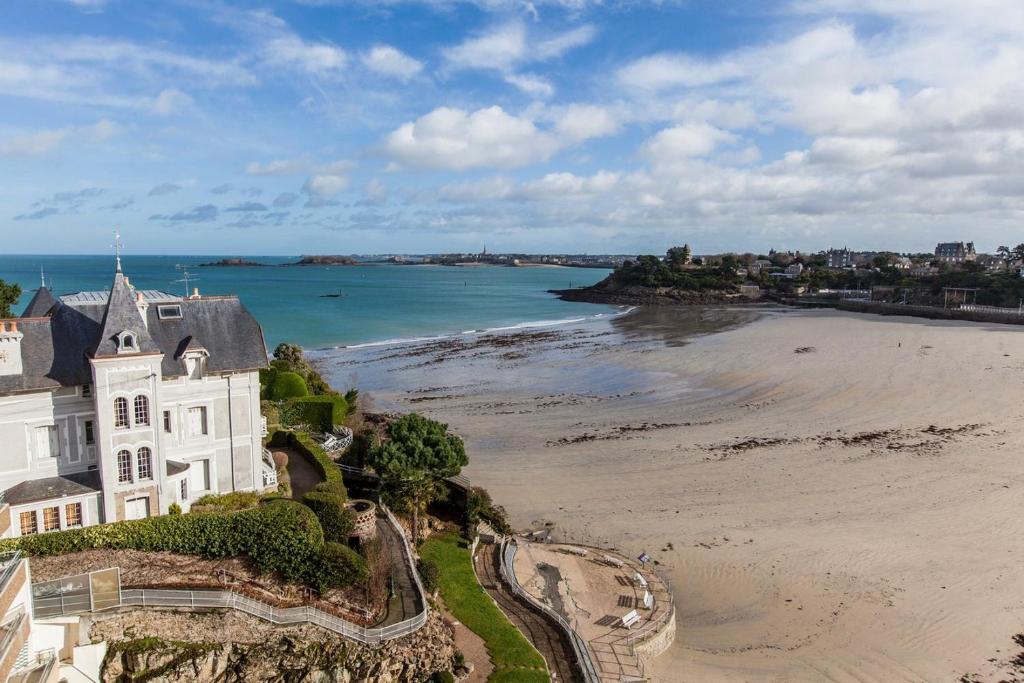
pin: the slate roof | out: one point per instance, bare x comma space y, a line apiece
35, 490
174, 468
40, 304
55, 349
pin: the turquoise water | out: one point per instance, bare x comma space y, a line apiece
380, 302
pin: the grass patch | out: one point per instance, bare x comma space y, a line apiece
514, 657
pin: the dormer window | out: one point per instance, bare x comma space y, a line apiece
195, 364
127, 342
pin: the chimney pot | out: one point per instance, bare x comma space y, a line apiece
14, 326
3, 326
195, 292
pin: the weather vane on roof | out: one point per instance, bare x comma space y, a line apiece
118, 246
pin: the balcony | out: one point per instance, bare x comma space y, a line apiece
14, 634
269, 470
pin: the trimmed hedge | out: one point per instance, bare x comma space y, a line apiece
227, 502
336, 520
332, 487
289, 385
281, 536
309, 449
339, 565
322, 412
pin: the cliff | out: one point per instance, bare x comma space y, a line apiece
171, 647
232, 263
648, 296
325, 261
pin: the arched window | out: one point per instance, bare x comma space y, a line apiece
145, 463
124, 467
128, 341
141, 411
120, 412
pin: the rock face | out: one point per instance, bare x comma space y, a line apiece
325, 261
227, 647
647, 296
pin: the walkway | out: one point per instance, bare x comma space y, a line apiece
406, 603
548, 638
303, 475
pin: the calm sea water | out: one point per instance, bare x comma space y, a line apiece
379, 303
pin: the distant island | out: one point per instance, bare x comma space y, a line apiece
324, 261
232, 263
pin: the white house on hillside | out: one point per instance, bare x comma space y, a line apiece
116, 404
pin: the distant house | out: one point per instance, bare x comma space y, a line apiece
759, 265
750, 291
955, 252
839, 258
794, 269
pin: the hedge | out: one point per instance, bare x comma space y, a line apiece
336, 520
281, 536
322, 412
309, 449
339, 565
289, 385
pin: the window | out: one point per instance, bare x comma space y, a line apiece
90, 435
184, 490
128, 342
197, 421
169, 312
86, 390
145, 463
141, 411
28, 523
124, 467
199, 475
51, 519
73, 514
121, 412
167, 421
47, 442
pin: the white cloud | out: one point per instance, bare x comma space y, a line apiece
325, 185
278, 167
391, 61
455, 139
45, 141
531, 85
558, 45
315, 58
508, 46
172, 101
684, 141
579, 122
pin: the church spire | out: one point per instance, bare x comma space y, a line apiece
118, 246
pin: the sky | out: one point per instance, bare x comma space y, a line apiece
566, 126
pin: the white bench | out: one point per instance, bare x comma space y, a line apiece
639, 578
613, 561
577, 551
630, 618
648, 599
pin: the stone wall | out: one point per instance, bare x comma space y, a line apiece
172, 646
659, 641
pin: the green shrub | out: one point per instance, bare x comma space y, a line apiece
227, 502
333, 487
429, 573
309, 449
174, 509
336, 520
337, 565
289, 385
267, 378
442, 677
281, 536
321, 412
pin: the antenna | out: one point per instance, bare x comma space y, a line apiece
186, 277
42, 278
118, 246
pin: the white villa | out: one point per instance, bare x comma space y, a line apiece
117, 404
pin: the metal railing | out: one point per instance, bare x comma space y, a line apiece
579, 646
9, 562
269, 470
11, 629
79, 602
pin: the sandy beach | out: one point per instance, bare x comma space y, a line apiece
832, 496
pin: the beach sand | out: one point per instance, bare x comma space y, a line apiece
832, 496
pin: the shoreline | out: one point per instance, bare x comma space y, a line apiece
793, 475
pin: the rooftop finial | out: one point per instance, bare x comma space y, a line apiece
118, 246
42, 278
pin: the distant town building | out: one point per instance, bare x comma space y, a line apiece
839, 258
955, 252
794, 269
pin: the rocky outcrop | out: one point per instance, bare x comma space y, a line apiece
647, 296
166, 647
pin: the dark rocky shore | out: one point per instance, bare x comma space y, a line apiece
649, 296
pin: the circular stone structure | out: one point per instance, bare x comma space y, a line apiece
365, 518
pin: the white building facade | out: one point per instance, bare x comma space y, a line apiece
117, 405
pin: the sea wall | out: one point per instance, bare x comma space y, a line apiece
178, 646
660, 641
931, 312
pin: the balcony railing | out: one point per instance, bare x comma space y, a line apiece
269, 470
9, 562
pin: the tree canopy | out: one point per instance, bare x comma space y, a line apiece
9, 295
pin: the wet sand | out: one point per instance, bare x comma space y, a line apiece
832, 496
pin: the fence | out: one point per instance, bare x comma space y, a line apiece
978, 308
579, 646
85, 593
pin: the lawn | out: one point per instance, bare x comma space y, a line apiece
514, 657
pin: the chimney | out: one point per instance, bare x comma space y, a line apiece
195, 293
143, 306
10, 349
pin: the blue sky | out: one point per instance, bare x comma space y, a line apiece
561, 125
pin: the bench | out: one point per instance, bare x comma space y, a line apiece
613, 561
639, 578
648, 599
630, 618
577, 551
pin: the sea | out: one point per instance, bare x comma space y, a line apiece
328, 307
